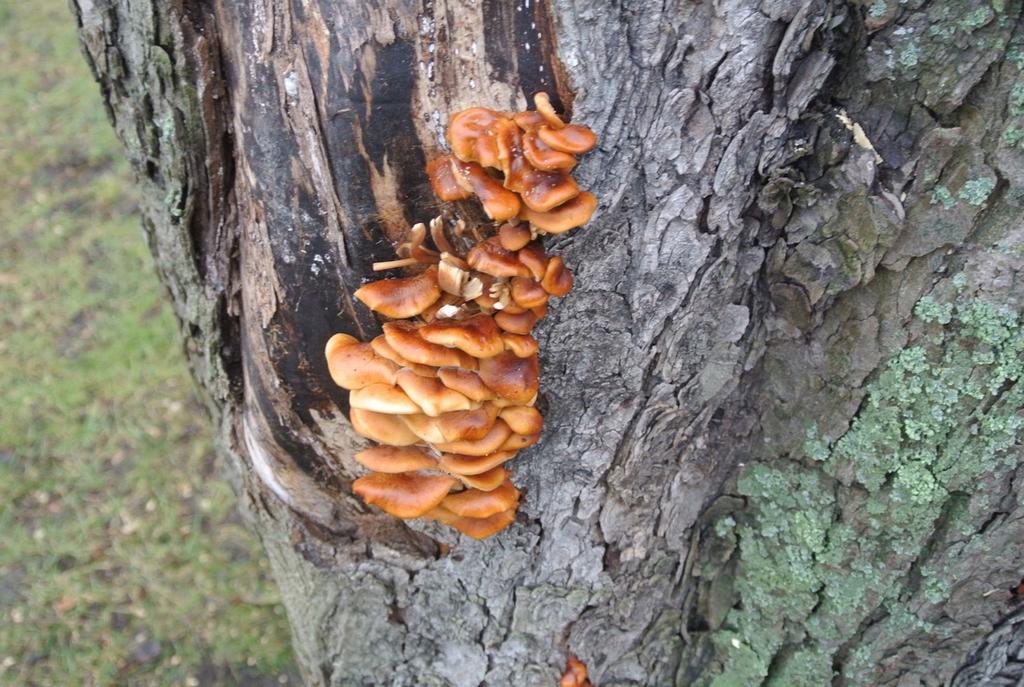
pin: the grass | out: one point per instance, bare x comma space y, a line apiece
123, 561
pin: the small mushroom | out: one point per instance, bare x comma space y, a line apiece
544, 108
467, 425
478, 528
485, 481
406, 495
522, 419
528, 293
490, 258
474, 503
564, 217
471, 134
403, 296
557, 279
516, 323
499, 203
511, 377
491, 442
517, 442
572, 138
523, 345
514, 236
353, 365
466, 382
383, 398
541, 191
477, 335
431, 394
461, 464
442, 179
404, 338
542, 156
533, 257
395, 459
383, 349
382, 428
424, 427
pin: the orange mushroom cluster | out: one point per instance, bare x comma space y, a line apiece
575, 674
532, 153
448, 389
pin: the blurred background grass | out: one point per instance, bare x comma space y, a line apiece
122, 560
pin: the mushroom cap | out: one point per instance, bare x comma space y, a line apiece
474, 503
511, 377
575, 674
425, 427
490, 258
572, 138
395, 459
489, 443
499, 203
472, 133
461, 464
383, 349
466, 382
514, 236
544, 108
572, 214
541, 191
518, 442
406, 495
557, 278
403, 296
478, 528
542, 156
443, 181
355, 365
384, 429
516, 323
527, 293
522, 419
534, 258
477, 335
523, 345
468, 425
530, 120
406, 341
383, 398
486, 481
430, 394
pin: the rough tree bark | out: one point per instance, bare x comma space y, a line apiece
775, 451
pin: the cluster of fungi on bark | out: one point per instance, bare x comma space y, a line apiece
448, 390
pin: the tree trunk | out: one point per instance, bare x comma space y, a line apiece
782, 402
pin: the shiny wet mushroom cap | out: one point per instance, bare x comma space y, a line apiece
403, 296
405, 495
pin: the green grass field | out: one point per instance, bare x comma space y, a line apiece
123, 561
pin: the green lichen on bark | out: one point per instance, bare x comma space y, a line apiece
830, 539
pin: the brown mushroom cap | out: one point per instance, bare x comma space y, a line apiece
406, 341
542, 156
490, 258
425, 427
403, 296
472, 133
522, 419
468, 425
383, 398
527, 293
354, 365
383, 349
490, 443
499, 203
466, 382
514, 236
518, 442
572, 214
530, 120
395, 459
384, 429
516, 323
478, 528
544, 108
474, 503
486, 481
523, 345
461, 464
511, 377
557, 278
477, 335
572, 138
430, 394
541, 191
534, 258
406, 495
443, 181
